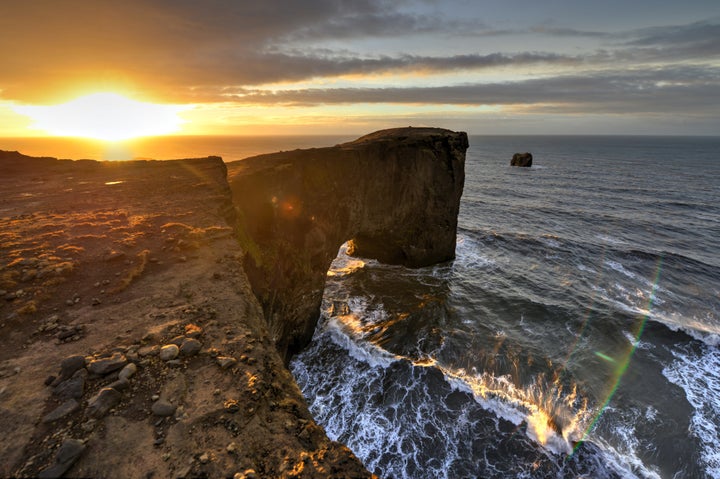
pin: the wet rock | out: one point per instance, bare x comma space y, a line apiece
190, 347
127, 372
163, 408
104, 366
68, 407
102, 402
169, 352
177, 340
69, 452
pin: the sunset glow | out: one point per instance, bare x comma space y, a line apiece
333, 68
105, 116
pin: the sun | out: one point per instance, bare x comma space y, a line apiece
105, 116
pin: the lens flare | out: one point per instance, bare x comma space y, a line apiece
623, 365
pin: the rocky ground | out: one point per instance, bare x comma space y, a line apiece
131, 345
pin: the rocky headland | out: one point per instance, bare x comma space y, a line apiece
147, 308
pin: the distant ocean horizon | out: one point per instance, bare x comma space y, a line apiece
234, 147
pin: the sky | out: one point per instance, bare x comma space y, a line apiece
324, 67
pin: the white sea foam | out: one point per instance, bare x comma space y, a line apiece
342, 335
468, 254
605, 238
698, 374
550, 242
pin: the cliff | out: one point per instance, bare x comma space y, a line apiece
133, 341
132, 345
393, 194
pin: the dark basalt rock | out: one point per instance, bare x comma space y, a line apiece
393, 194
521, 159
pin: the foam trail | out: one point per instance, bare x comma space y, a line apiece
698, 374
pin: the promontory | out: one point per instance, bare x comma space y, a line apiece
147, 308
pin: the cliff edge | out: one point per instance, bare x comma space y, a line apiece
393, 194
147, 307
132, 344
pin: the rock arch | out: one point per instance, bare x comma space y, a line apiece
394, 194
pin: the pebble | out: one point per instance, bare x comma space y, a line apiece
226, 362
163, 408
190, 347
246, 474
231, 406
169, 351
102, 402
231, 448
177, 340
193, 330
120, 385
147, 351
107, 365
68, 407
204, 458
128, 371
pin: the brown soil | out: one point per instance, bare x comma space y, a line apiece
97, 258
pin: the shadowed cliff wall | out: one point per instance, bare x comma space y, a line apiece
394, 194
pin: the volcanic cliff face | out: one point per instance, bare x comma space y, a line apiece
394, 194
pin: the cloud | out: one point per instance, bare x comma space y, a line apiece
663, 90
222, 50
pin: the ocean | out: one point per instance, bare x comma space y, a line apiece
576, 334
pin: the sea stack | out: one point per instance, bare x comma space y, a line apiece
521, 159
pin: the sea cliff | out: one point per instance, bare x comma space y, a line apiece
147, 307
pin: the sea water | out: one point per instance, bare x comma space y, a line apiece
576, 334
